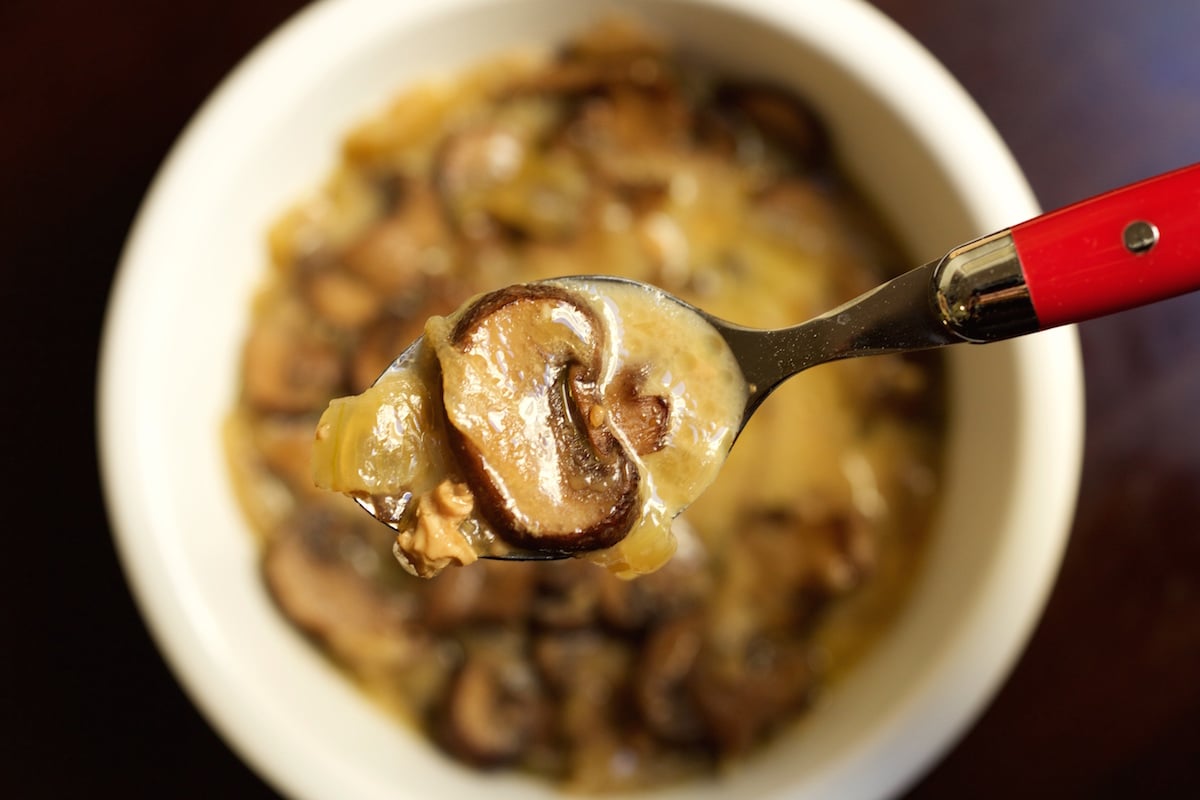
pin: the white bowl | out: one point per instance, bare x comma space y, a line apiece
914, 142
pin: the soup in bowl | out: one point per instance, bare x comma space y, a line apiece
894, 528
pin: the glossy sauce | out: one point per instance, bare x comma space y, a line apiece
612, 155
388, 446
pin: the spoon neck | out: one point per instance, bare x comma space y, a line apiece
898, 316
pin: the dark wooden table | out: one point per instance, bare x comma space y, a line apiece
1089, 94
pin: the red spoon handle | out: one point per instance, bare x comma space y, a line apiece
1126, 248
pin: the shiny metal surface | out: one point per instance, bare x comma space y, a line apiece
980, 290
1140, 236
897, 316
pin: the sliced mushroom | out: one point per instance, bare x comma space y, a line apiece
821, 553
391, 334
615, 53
344, 301
547, 200
501, 177
379, 345
570, 660
587, 674
312, 567
568, 595
399, 255
661, 689
744, 694
467, 166
642, 417
779, 116
520, 367
632, 138
492, 710
673, 591
289, 368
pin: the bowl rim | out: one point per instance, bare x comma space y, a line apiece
959, 135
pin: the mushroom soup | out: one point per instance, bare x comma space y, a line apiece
611, 155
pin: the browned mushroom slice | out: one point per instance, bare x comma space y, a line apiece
310, 570
673, 591
568, 594
821, 552
660, 687
289, 368
587, 674
378, 346
781, 117
499, 178
391, 334
615, 53
341, 299
632, 138
643, 417
492, 710
403, 252
467, 166
745, 693
520, 366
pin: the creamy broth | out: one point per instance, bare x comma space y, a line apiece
610, 155
575, 417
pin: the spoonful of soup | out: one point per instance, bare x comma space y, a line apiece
578, 416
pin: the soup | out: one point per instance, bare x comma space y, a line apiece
612, 155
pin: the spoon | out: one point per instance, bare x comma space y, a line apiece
1129, 247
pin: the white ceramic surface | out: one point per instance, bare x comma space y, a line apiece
914, 142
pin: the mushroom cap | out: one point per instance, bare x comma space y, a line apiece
521, 371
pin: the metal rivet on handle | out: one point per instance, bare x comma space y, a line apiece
1140, 236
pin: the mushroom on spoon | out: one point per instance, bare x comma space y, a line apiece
578, 416
573, 416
